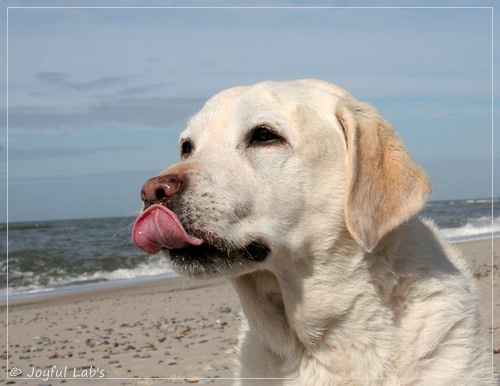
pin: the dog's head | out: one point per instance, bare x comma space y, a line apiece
274, 168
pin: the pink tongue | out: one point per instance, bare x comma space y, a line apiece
158, 227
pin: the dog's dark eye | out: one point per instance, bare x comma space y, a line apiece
262, 134
186, 148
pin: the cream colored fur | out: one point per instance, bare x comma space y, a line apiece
357, 289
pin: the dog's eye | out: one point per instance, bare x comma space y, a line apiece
186, 148
262, 134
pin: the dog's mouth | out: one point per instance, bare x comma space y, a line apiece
158, 228
255, 251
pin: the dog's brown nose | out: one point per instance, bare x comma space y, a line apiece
161, 188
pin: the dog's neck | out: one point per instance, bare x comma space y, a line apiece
305, 304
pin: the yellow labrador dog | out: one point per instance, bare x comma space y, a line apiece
307, 200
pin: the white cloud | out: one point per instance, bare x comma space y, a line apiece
64, 80
139, 113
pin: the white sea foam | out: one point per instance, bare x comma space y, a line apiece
153, 269
481, 201
477, 229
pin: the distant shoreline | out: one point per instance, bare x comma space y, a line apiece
88, 287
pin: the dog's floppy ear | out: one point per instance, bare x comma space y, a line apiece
385, 187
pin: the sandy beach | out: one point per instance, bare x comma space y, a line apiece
174, 331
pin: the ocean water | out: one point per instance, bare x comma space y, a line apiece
72, 255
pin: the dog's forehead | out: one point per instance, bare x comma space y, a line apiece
256, 104
215, 114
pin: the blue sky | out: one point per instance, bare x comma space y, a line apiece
97, 97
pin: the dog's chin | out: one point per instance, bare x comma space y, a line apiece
207, 260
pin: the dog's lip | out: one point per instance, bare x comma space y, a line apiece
254, 251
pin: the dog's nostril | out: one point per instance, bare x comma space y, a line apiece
160, 194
